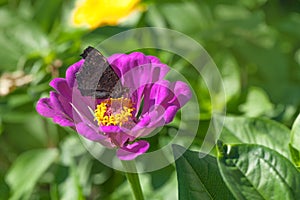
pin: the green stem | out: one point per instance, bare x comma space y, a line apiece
133, 179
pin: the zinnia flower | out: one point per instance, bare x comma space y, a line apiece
95, 13
151, 102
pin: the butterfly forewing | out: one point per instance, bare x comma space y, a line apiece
97, 78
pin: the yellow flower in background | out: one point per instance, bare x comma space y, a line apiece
95, 13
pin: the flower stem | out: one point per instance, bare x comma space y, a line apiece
133, 179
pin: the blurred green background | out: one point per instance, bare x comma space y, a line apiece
254, 43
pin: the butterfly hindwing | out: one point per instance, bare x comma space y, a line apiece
97, 78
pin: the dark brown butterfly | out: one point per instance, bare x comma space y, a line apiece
97, 78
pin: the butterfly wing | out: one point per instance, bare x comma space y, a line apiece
97, 78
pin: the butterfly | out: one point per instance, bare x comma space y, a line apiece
97, 78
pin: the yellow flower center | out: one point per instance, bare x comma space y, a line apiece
114, 111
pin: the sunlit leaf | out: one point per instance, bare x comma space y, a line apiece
295, 141
257, 172
255, 131
295, 134
295, 154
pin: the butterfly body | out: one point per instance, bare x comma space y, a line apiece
97, 78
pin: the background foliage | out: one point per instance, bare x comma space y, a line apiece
255, 44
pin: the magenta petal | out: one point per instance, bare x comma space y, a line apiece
148, 68
165, 99
82, 107
45, 108
89, 133
62, 87
110, 129
182, 92
144, 121
63, 121
170, 113
153, 118
131, 151
117, 135
62, 105
71, 72
62, 113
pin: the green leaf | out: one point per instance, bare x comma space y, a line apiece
253, 3
19, 39
230, 75
47, 12
162, 1
295, 142
295, 156
161, 177
199, 178
154, 17
295, 134
1, 126
257, 172
2, 2
27, 169
4, 189
71, 188
255, 131
270, 67
191, 12
257, 103
77, 180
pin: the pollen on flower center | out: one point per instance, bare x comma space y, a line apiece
114, 111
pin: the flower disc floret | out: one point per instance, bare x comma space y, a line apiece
113, 111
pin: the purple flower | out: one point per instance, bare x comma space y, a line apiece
118, 122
